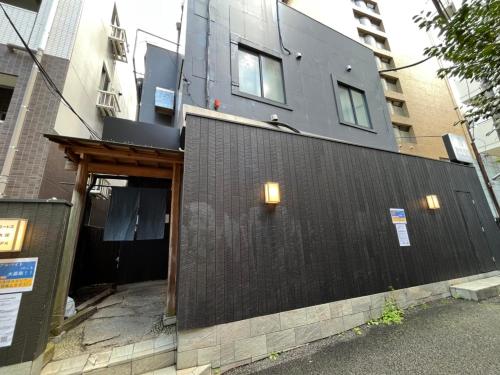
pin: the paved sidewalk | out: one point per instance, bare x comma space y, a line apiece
445, 337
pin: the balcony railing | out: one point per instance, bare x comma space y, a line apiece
119, 46
107, 102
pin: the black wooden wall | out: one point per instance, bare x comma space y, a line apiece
47, 222
330, 238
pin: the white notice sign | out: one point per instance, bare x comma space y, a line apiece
404, 239
9, 308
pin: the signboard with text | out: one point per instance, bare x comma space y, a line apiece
17, 274
457, 148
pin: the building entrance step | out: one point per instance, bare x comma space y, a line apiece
477, 290
132, 359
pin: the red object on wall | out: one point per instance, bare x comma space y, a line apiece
216, 104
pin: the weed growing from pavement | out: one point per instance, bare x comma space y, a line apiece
391, 314
357, 331
273, 356
216, 371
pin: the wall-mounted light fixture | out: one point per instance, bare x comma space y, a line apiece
432, 202
12, 232
272, 192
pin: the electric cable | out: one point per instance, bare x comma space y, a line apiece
406, 66
279, 29
47, 78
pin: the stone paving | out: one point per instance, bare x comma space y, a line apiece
234, 344
445, 337
134, 359
134, 313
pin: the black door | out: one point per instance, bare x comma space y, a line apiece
475, 231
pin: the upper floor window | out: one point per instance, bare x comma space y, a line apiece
354, 109
7, 84
105, 81
404, 134
260, 75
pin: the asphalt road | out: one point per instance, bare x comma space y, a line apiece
445, 337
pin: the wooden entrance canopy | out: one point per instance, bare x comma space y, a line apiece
119, 158
112, 158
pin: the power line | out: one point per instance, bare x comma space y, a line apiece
48, 80
406, 66
279, 29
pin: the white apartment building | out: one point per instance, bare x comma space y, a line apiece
84, 49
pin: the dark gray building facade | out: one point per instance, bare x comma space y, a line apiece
313, 78
162, 72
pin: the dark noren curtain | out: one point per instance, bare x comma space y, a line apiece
152, 208
122, 214
128, 202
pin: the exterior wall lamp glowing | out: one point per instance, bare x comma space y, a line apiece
272, 192
12, 232
432, 202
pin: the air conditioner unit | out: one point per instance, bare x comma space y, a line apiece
119, 46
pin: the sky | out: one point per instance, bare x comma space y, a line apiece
156, 16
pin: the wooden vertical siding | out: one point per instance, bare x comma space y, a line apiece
330, 238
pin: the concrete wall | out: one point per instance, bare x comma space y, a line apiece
308, 82
230, 345
90, 51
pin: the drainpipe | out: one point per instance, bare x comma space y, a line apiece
18, 127
207, 57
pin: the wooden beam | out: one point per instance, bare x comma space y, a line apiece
70, 244
130, 170
123, 154
173, 253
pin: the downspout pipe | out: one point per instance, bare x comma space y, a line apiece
19, 125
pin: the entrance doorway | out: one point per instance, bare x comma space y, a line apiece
100, 260
143, 168
475, 230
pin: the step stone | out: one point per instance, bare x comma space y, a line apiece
477, 290
132, 359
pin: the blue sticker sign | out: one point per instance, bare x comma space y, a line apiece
398, 215
17, 275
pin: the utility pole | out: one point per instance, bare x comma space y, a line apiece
445, 16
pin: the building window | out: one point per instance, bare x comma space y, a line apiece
105, 82
260, 75
404, 134
7, 84
397, 107
353, 107
391, 84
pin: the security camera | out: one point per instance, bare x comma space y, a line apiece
348, 68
